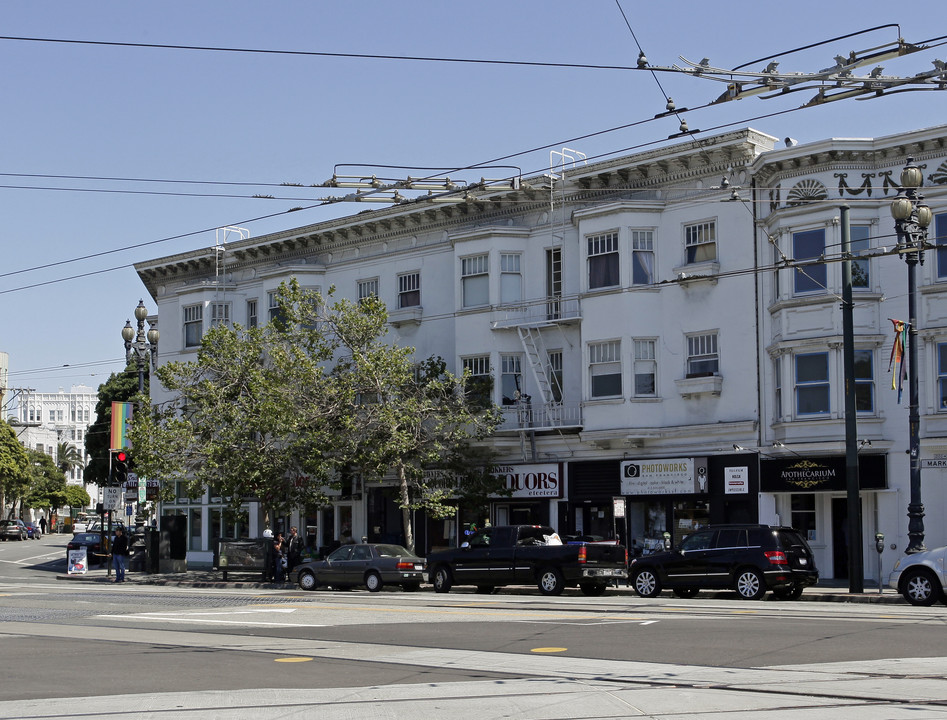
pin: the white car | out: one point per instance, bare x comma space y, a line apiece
921, 577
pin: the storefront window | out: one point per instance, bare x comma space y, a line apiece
803, 514
689, 516
647, 523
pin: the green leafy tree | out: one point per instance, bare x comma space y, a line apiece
252, 417
284, 411
47, 489
77, 497
418, 422
14, 467
122, 387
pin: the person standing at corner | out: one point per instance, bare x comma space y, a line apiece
293, 547
120, 554
279, 557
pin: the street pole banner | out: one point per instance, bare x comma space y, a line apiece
121, 417
77, 562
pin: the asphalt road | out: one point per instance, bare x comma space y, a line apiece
105, 650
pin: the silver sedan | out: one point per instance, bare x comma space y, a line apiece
368, 565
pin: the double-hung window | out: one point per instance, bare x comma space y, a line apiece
511, 378
812, 383
700, 242
859, 243
777, 389
642, 257
942, 375
864, 381
193, 325
511, 278
274, 311
479, 383
475, 279
409, 290
367, 289
555, 374
646, 368
252, 317
219, 314
809, 245
605, 369
603, 260
940, 240
702, 356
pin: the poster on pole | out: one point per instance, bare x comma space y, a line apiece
77, 562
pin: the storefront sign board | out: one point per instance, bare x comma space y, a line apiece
659, 476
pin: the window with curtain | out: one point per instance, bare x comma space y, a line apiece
475, 279
700, 242
646, 367
511, 278
555, 374
602, 251
642, 257
252, 317
605, 369
511, 378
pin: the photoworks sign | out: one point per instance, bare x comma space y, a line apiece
531, 481
674, 476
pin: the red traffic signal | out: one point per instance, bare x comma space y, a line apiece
121, 456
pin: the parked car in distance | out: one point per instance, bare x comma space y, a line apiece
92, 542
750, 559
34, 531
371, 565
500, 555
921, 578
13, 530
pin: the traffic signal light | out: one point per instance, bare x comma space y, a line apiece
119, 467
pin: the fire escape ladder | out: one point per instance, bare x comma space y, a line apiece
537, 357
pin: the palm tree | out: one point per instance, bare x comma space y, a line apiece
68, 456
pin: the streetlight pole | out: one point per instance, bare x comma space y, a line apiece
139, 345
911, 219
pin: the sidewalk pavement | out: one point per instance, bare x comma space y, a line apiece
825, 591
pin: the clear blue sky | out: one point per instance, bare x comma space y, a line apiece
171, 114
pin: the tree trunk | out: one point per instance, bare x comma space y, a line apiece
406, 509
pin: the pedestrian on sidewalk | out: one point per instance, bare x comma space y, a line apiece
279, 553
120, 553
294, 548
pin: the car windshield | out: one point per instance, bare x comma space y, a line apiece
393, 551
85, 537
788, 538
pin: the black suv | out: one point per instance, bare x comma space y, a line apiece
750, 559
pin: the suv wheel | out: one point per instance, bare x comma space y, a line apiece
919, 587
646, 583
749, 584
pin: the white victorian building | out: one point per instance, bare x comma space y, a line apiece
645, 349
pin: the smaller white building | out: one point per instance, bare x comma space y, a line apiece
44, 420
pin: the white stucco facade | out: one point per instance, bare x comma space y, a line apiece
629, 310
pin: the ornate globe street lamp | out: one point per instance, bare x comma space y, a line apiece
911, 219
139, 345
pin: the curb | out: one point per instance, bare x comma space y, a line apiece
837, 595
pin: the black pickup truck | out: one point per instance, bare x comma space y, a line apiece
526, 554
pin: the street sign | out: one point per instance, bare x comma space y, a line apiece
934, 463
112, 498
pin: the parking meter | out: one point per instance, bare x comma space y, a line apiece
667, 541
880, 547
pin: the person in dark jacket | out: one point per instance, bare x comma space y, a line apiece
294, 548
120, 554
